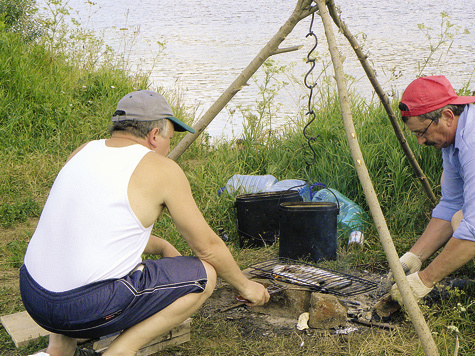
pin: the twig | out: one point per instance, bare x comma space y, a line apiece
375, 324
287, 49
232, 306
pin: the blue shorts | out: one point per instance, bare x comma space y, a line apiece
109, 306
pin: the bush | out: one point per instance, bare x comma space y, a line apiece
17, 16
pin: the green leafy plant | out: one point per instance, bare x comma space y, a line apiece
15, 250
440, 42
18, 16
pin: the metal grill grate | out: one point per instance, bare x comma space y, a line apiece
315, 278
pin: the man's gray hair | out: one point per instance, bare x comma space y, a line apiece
140, 128
436, 114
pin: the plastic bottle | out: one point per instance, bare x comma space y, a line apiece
351, 214
247, 184
294, 184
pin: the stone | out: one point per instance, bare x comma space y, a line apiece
303, 321
326, 312
298, 301
289, 303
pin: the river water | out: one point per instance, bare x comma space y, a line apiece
209, 42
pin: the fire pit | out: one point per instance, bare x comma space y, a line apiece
357, 293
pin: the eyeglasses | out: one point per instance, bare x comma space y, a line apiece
421, 134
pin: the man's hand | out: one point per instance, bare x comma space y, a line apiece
419, 289
255, 294
410, 262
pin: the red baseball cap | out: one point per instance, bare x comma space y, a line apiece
426, 94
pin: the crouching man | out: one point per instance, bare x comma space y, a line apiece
83, 274
438, 117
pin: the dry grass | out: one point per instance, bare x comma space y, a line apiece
215, 333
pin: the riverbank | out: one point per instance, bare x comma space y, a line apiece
52, 104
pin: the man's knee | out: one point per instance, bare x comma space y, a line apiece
211, 276
456, 219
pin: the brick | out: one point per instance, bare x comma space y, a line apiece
23, 329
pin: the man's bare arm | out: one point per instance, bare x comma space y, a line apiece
202, 239
454, 255
436, 235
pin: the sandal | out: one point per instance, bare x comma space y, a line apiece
85, 352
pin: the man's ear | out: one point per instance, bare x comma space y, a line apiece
449, 117
152, 137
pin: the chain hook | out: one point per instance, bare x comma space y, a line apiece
310, 112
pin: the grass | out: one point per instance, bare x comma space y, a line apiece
49, 106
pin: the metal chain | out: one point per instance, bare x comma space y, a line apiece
310, 112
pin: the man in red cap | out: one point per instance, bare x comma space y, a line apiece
438, 117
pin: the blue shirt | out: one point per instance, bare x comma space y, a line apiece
458, 185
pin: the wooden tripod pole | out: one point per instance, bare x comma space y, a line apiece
303, 9
406, 293
384, 100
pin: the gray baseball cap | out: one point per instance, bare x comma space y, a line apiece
147, 105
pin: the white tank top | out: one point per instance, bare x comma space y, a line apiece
87, 231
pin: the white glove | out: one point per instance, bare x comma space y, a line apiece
419, 289
410, 262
